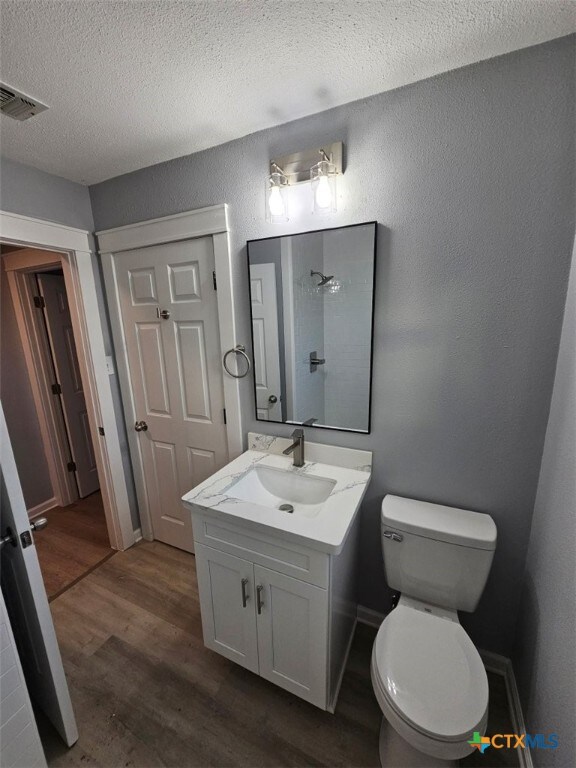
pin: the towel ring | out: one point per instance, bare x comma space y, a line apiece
239, 349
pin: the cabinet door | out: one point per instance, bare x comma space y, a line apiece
227, 600
292, 619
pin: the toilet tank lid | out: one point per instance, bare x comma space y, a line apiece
435, 521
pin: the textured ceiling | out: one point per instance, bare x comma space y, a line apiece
130, 84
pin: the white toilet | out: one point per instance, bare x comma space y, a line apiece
428, 677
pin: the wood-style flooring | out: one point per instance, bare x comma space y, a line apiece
73, 543
147, 693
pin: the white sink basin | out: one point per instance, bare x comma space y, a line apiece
275, 488
324, 495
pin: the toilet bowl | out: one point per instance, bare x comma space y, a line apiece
427, 675
430, 682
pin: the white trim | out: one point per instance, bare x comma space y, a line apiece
40, 509
167, 229
36, 233
228, 340
78, 261
38, 360
138, 535
113, 302
493, 662
370, 617
502, 665
183, 226
524, 755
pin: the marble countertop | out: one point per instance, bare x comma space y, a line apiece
325, 532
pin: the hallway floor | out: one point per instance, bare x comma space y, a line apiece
73, 543
147, 693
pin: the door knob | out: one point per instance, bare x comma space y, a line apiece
272, 399
162, 313
140, 426
39, 524
9, 538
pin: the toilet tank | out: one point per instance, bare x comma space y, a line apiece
437, 554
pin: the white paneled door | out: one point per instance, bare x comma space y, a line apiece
169, 316
28, 609
266, 341
67, 373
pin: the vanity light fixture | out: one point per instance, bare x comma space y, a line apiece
304, 167
276, 197
323, 181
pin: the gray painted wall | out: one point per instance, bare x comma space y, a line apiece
31, 192
544, 658
471, 177
19, 408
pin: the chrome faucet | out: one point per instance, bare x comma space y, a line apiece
297, 448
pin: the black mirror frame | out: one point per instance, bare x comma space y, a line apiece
310, 232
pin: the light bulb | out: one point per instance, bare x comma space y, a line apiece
275, 202
323, 193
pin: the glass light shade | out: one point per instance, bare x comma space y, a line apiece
323, 181
276, 198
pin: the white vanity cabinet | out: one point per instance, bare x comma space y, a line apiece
280, 609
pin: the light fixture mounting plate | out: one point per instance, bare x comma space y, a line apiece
297, 165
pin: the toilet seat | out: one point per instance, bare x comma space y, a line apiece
427, 671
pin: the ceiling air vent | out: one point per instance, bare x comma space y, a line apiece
18, 105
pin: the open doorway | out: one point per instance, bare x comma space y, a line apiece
47, 416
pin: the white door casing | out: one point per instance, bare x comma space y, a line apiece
226, 588
170, 326
200, 223
67, 369
292, 631
266, 341
26, 600
39, 361
20, 745
75, 251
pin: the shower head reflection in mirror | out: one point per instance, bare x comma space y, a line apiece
323, 278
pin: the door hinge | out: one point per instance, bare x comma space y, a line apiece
224, 414
101, 431
214, 279
56, 389
71, 466
39, 302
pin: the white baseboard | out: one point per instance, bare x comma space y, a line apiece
40, 509
137, 535
502, 665
494, 662
369, 616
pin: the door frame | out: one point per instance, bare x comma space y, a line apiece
76, 250
189, 225
20, 267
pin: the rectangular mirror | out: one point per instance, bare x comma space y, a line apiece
312, 304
